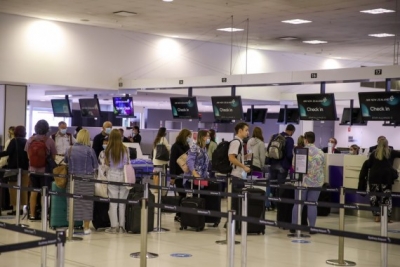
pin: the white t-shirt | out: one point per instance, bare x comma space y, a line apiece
234, 149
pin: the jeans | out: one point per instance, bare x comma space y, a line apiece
116, 191
306, 195
376, 201
278, 173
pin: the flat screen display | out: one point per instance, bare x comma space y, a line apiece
356, 117
90, 107
61, 108
380, 106
317, 107
227, 107
123, 107
292, 115
184, 108
259, 115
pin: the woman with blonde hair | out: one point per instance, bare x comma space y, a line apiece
116, 156
82, 161
382, 176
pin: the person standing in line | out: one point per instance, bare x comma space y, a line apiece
135, 138
382, 176
63, 141
17, 158
300, 142
37, 164
313, 179
77, 131
82, 160
116, 156
159, 165
98, 139
372, 148
197, 160
3, 165
212, 145
257, 147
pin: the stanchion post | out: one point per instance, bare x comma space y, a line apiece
298, 233
44, 223
159, 229
384, 233
18, 207
244, 230
71, 211
231, 239
60, 257
341, 261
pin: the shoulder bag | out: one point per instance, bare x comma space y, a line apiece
162, 152
182, 162
100, 189
60, 172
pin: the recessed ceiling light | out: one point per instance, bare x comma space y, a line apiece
124, 13
296, 21
377, 11
230, 30
288, 38
168, 0
315, 42
380, 35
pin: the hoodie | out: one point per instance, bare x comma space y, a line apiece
257, 147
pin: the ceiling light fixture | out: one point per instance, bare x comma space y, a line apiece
288, 38
230, 30
296, 21
315, 42
168, 0
377, 11
124, 13
380, 35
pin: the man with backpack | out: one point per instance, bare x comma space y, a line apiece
236, 153
280, 154
39, 147
63, 141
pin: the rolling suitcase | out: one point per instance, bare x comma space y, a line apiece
192, 220
324, 196
100, 215
58, 209
284, 210
133, 212
174, 200
213, 202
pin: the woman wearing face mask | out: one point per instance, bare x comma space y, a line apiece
135, 138
354, 149
198, 160
181, 146
159, 165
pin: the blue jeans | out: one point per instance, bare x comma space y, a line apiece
278, 173
306, 195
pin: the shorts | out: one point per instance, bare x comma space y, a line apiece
38, 181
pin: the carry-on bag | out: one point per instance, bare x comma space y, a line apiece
174, 200
192, 220
213, 202
133, 212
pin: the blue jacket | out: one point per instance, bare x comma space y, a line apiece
286, 161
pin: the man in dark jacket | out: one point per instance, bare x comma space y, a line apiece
372, 148
98, 139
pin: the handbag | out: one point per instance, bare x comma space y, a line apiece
181, 161
100, 189
162, 152
62, 169
129, 173
174, 200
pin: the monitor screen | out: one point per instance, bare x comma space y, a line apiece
356, 117
259, 115
123, 107
61, 108
184, 108
317, 107
90, 107
380, 106
227, 107
292, 115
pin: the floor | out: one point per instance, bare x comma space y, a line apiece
273, 249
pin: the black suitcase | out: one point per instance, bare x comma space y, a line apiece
255, 209
133, 212
213, 202
174, 200
284, 210
192, 220
324, 196
100, 215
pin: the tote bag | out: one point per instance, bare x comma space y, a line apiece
181, 161
162, 152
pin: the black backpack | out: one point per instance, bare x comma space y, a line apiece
220, 157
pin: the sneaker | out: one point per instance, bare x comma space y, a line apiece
111, 230
87, 232
122, 230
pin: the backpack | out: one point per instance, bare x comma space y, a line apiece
220, 157
276, 148
37, 152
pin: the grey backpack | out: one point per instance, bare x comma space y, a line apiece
276, 148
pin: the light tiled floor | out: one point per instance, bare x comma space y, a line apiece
273, 249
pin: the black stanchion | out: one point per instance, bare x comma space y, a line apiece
384, 233
44, 223
159, 229
60, 256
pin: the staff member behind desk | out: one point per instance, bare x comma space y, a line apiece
236, 155
123, 138
38, 181
372, 148
333, 141
98, 139
63, 141
135, 138
18, 158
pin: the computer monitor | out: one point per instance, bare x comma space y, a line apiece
380, 106
184, 107
123, 107
90, 107
317, 107
61, 108
227, 107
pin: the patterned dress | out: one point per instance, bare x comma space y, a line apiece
315, 173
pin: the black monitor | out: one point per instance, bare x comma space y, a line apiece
317, 107
227, 107
259, 115
90, 107
380, 106
61, 108
184, 108
356, 117
292, 115
123, 107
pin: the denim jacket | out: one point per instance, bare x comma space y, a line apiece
198, 160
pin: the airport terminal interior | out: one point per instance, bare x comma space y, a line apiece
329, 68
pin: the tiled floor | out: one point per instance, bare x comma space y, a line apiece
273, 249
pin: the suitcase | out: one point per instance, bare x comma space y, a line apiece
133, 212
192, 220
174, 200
284, 210
324, 196
58, 209
100, 215
142, 167
213, 202
255, 209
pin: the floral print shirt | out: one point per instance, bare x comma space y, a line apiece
315, 173
198, 160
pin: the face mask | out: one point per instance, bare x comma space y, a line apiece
107, 130
63, 131
244, 175
189, 140
104, 147
208, 141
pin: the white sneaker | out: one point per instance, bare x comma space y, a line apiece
112, 230
122, 230
87, 232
